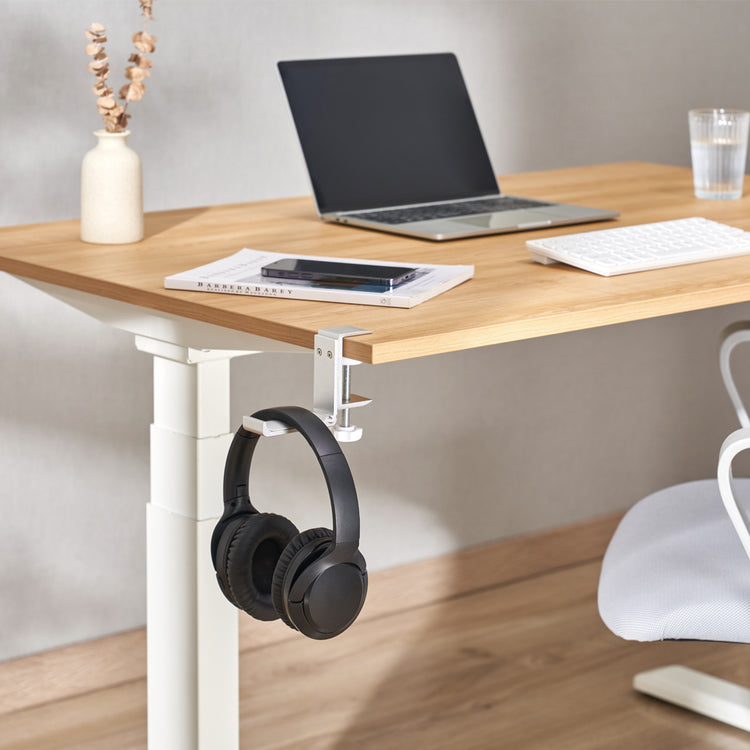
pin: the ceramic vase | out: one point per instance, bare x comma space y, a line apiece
111, 191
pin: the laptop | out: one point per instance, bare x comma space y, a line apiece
392, 143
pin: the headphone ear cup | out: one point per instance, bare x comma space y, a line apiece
251, 558
220, 541
295, 546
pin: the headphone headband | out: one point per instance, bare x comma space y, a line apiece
341, 489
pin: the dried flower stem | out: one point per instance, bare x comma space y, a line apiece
115, 115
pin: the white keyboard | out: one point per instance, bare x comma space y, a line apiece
643, 247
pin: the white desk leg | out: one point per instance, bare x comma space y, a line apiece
193, 676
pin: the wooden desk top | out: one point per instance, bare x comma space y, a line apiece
510, 298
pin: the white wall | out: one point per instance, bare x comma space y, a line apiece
459, 448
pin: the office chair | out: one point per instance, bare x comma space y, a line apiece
677, 568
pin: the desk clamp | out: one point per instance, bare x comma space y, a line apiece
332, 394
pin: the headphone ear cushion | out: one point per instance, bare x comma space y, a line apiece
251, 558
292, 549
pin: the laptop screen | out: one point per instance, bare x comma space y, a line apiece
387, 131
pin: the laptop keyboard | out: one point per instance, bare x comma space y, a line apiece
447, 210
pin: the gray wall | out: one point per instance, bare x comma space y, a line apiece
459, 448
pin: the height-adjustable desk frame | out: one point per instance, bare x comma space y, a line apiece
192, 336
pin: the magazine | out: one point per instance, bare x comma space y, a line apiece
241, 273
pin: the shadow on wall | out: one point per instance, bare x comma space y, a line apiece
464, 448
75, 464
602, 73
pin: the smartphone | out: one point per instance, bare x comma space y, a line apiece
335, 272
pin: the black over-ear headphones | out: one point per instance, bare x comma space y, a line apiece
315, 581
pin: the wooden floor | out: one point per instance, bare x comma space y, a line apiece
498, 647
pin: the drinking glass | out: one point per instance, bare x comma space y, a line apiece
718, 146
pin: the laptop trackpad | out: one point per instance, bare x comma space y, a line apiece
503, 219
